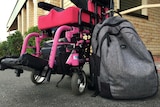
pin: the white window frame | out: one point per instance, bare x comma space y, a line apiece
143, 12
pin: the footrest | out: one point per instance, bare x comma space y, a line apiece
3, 66
25, 62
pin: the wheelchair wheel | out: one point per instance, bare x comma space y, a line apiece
36, 78
78, 83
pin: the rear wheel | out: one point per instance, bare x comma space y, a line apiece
36, 78
78, 83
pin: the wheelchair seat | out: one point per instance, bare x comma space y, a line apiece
69, 16
74, 15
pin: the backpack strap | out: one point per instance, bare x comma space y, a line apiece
103, 38
106, 36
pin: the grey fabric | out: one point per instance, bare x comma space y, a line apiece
125, 64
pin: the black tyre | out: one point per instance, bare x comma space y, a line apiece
78, 83
36, 78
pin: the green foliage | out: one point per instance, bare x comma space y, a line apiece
4, 49
31, 40
15, 43
12, 46
31, 30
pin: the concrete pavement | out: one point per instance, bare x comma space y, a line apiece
21, 92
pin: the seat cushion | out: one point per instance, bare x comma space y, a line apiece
65, 17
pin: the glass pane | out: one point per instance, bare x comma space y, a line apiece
127, 4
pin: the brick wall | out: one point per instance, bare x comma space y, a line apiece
24, 20
30, 13
148, 29
67, 3
19, 22
37, 11
56, 2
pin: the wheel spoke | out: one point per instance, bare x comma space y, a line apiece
41, 79
36, 77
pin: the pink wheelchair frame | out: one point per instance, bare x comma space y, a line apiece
81, 25
73, 58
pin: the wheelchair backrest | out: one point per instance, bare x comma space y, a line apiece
100, 7
96, 6
105, 3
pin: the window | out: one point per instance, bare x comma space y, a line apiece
127, 4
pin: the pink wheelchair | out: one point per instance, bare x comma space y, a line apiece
68, 50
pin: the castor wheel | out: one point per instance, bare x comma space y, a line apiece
37, 78
78, 82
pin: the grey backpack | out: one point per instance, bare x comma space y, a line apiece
123, 66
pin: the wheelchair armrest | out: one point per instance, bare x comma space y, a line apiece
48, 7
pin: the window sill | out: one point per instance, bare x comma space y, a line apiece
138, 15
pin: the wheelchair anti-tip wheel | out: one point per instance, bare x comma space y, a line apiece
36, 78
78, 83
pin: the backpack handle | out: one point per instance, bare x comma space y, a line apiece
112, 11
